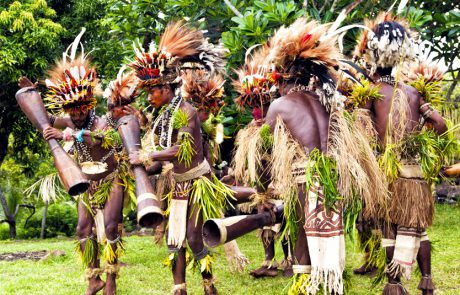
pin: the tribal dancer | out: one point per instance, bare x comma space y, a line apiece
205, 91
176, 136
72, 86
408, 127
258, 88
320, 162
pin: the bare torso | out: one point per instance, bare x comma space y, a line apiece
304, 116
194, 128
95, 149
381, 109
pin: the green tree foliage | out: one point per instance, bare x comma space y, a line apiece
28, 39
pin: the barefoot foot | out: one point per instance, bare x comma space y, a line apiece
94, 286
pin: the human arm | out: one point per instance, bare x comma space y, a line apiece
432, 117
184, 145
130, 110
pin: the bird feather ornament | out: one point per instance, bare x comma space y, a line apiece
122, 90
203, 91
257, 85
72, 83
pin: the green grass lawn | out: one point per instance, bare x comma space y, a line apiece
145, 274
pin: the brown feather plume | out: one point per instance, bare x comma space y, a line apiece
180, 40
302, 39
256, 83
122, 91
205, 93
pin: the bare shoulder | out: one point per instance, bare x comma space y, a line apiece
191, 111
412, 91
62, 122
282, 107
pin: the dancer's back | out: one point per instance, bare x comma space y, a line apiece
305, 118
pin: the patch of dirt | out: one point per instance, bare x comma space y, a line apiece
30, 255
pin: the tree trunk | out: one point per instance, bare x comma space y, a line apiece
9, 217
12, 224
45, 211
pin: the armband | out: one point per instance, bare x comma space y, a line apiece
79, 135
428, 112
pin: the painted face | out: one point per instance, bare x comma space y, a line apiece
158, 96
79, 118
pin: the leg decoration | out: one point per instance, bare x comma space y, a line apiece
171, 259
112, 269
204, 261
406, 248
395, 288
424, 263
286, 265
209, 288
177, 289
236, 259
300, 280
111, 255
426, 285
89, 254
92, 273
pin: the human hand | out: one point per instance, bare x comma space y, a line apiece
52, 133
130, 110
135, 158
266, 206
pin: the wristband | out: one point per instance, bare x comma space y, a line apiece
79, 135
145, 158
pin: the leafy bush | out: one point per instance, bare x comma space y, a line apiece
61, 220
4, 231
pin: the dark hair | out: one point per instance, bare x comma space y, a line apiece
384, 71
302, 70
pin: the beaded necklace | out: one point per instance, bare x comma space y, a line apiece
82, 148
387, 79
110, 121
163, 125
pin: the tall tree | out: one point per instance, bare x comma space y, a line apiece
28, 39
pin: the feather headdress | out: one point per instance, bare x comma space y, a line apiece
72, 82
210, 58
307, 53
159, 66
122, 91
388, 42
256, 84
203, 91
430, 73
426, 78
303, 40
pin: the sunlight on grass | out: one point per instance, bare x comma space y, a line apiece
145, 274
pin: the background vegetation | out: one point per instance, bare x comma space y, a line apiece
33, 33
